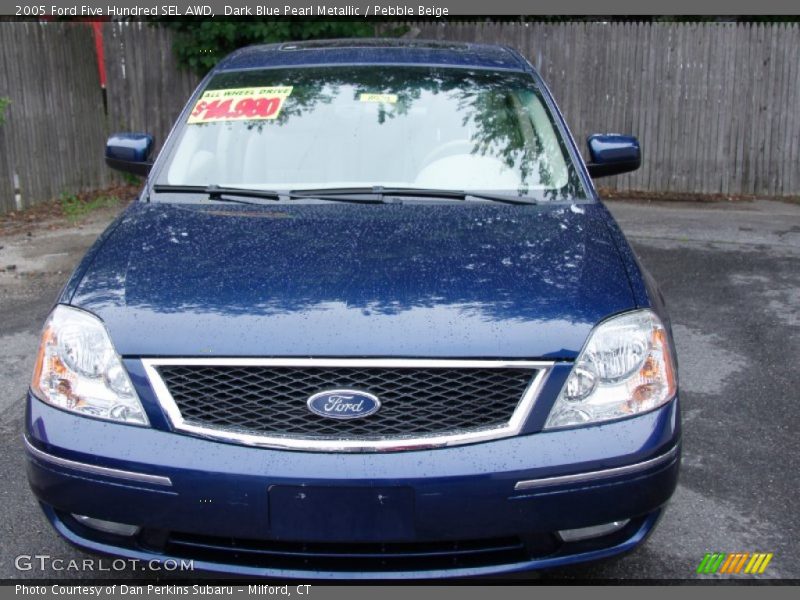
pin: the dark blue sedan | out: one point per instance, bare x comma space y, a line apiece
367, 319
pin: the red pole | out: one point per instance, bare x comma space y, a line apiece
97, 27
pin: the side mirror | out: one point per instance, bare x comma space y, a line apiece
129, 152
612, 153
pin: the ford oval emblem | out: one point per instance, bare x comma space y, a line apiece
343, 404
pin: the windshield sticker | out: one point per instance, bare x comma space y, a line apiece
382, 98
240, 104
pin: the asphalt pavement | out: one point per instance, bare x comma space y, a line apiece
731, 275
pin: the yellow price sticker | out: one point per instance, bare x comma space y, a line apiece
240, 104
381, 98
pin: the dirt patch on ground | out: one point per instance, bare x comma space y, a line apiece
69, 210
41, 244
609, 194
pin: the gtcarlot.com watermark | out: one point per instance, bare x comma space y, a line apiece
46, 562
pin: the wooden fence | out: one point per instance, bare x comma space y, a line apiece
716, 106
146, 89
54, 128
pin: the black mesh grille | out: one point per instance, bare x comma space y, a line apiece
272, 400
417, 556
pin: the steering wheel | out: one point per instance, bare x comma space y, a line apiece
446, 149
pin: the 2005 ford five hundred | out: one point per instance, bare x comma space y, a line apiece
367, 319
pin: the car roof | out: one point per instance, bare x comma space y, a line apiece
373, 51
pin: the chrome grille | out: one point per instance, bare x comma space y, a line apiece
423, 403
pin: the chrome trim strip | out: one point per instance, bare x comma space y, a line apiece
513, 427
411, 363
595, 475
96, 469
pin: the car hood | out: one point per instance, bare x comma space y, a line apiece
427, 280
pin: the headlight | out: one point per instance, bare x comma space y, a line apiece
625, 368
78, 369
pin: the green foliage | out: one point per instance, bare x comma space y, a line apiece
4, 102
75, 208
199, 45
130, 178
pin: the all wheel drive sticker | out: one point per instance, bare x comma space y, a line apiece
240, 104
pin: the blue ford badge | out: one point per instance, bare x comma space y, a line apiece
343, 404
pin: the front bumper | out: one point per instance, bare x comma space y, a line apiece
481, 509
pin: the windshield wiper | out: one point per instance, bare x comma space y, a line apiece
360, 195
216, 192
379, 193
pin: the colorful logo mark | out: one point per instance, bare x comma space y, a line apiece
736, 563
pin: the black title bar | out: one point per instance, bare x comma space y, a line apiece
398, 9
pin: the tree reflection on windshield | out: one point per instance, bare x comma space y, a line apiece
468, 121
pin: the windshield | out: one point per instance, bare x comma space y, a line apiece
335, 127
